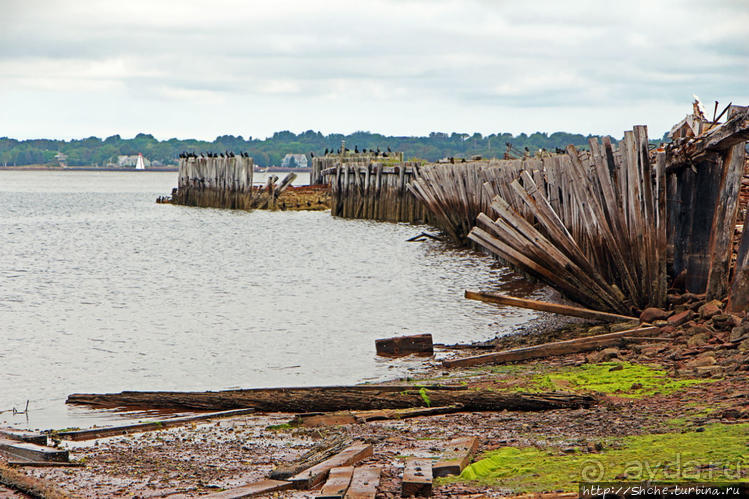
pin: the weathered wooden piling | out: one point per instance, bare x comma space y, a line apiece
216, 183
226, 182
362, 187
607, 226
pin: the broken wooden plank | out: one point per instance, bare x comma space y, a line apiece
407, 396
457, 455
352, 417
405, 345
32, 486
550, 349
364, 483
293, 399
31, 452
109, 431
337, 483
318, 453
316, 474
24, 436
254, 489
417, 478
44, 464
585, 313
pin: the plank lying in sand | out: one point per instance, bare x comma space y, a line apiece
318, 453
262, 487
297, 399
364, 483
337, 483
32, 486
31, 452
342, 399
551, 349
585, 313
417, 478
109, 431
316, 474
44, 464
456, 457
353, 417
24, 436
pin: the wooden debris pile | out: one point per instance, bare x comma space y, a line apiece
227, 182
608, 226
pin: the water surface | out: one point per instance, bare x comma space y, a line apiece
101, 290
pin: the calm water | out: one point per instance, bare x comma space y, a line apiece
103, 290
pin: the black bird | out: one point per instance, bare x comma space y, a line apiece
384, 155
221, 154
356, 149
311, 155
326, 151
202, 155
389, 149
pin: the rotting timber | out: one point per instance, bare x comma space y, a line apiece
227, 182
337, 398
613, 227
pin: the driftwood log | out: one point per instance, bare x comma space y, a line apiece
336, 398
552, 349
31, 486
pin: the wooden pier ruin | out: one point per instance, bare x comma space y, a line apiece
615, 227
227, 182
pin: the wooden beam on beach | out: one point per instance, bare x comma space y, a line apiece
456, 457
260, 488
109, 431
32, 486
44, 464
337, 483
332, 399
316, 474
364, 483
32, 452
585, 313
551, 349
417, 478
24, 436
317, 454
420, 344
355, 417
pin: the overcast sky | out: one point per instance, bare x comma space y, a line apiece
76, 68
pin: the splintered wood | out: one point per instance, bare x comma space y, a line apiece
606, 226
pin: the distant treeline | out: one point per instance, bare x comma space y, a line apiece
270, 151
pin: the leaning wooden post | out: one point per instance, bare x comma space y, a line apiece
724, 222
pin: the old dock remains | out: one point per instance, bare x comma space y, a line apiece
221, 181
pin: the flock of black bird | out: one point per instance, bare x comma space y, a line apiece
230, 154
227, 154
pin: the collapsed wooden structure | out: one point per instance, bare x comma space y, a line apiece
227, 182
613, 226
366, 188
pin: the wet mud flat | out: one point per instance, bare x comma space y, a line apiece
655, 403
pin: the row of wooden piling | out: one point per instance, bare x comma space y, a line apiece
610, 227
374, 191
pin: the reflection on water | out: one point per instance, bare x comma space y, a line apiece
104, 290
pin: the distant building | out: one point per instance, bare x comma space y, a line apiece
294, 161
131, 160
61, 158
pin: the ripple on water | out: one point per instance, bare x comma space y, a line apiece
142, 296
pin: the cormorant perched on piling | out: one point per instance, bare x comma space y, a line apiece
356, 149
389, 149
311, 155
326, 152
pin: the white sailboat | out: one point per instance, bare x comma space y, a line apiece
140, 165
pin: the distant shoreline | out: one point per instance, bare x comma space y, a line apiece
83, 169
277, 169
